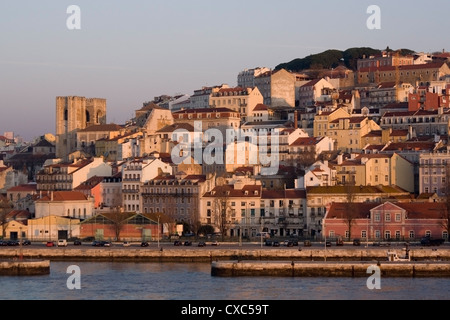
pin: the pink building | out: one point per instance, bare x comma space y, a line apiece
397, 221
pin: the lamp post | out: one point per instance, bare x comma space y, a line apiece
325, 239
20, 244
158, 231
367, 232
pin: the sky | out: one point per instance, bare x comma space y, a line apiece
129, 52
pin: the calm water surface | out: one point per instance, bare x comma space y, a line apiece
192, 281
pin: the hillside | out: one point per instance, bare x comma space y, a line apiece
333, 58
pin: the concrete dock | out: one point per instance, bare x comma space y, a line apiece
327, 269
24, 268
170, 254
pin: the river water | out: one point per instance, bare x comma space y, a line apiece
193, 281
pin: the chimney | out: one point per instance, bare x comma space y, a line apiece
296, 119
51, 195
340, 159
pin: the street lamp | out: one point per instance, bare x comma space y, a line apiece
325, 239
367, 232
158, 231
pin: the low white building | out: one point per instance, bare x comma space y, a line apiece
65, 204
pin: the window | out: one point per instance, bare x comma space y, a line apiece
377, 234
347, 234
387, 235
412, 235
331, 234
243, 204
377, 217
398, 217
397, 235
233, 204
445, 235
208, 204
388, 217
428, 233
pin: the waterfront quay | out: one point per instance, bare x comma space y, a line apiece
329, 269
167, 252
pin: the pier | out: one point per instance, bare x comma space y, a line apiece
24, 267
328, 269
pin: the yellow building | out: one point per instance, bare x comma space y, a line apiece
16, 230
347, 131
377, 169
242, 100
52, 228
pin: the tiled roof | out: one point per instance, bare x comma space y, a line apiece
24, 188
301, 142
176, 126
410, 146
354, 189
204, 110
260, 107
90, 183
59, 196
18, 215
228, 191
283, 194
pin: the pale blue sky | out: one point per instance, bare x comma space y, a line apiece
131, 51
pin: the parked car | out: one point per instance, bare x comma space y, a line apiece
356, 242
177, 243
429, 241
3, 243
96, 243
307, 243
215, 243
127, 244
62, 243
26, 243
145, 244
106, 244
77, 243
188, 243
288, 243
275, 244
202, 244
328, 244
13, 243
50, 244
339, 242
268, 243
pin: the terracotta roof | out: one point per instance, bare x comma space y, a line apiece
283, 194
375, 147
399, 133
90, 183
416, 210
177, 126
310, 141
24, 188
311, 83
228, 191
18, 215
261, 107
410, 146
204, 110
355, 189
59, 196
374, 134
102, 128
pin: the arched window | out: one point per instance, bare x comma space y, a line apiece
88, 117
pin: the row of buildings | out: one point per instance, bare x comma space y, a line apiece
282, 153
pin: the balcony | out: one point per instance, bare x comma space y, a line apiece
130, 191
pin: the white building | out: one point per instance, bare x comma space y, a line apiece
65, 204
134, 174
246, 78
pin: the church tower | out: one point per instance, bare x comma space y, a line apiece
74, 114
